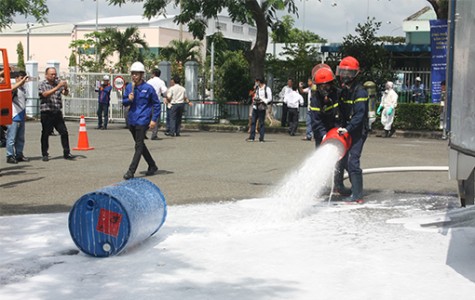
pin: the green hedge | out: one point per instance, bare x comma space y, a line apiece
413, 116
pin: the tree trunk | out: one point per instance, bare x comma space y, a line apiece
257, 55
441, 8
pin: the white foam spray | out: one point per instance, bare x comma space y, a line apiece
297, 193
293, 198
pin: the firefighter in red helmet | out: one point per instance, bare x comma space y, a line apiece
325, 116
354, 120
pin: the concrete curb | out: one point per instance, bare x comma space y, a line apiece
301, 130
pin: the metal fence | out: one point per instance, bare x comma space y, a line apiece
405, 82
83, 99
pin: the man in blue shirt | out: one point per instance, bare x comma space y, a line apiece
141, 97
104, 98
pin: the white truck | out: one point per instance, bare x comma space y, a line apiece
461, 96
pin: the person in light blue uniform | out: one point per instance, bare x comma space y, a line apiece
140, 97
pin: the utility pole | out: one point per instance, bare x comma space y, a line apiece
27, 41
97, 27
180, 26
211, 90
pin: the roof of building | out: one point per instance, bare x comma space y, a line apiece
426, 13
38, 28
129, 20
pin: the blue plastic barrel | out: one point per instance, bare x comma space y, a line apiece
105, 222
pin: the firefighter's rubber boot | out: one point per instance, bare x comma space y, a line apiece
338, 180
357, 188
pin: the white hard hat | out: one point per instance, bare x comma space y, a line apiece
137, 67
106, 77
418, 79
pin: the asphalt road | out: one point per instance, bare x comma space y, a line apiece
200, 166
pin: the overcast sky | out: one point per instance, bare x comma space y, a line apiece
326, 19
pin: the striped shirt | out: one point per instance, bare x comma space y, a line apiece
53, 102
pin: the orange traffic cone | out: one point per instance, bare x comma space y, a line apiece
83, 143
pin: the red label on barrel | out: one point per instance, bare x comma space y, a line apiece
109, 222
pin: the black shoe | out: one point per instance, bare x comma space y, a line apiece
145, 138
98, 127
45, 158
128, 175
151, 170
155, 138
167, 133
104, 128
69, 156
177, 134
391, 132
22, 159
261, 141
11, 160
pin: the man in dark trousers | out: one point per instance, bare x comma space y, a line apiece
325, 116
50, 92
140, 97
354, 109
103, 98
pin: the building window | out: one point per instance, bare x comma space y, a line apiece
237, 29
252, 31
221, 26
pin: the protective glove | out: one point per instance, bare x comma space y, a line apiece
342, 130
380, 108
390, 111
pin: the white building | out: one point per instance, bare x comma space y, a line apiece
50, 41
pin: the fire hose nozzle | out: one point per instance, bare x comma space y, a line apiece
343, 138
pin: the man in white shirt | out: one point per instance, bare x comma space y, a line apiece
293, 101
285, 90
176, 96
161, 90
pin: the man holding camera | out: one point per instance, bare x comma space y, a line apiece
104, 98
50, 92
263, 96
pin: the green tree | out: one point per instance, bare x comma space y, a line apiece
125, 44
284, 31
179, 52
391, 39
262, 14
233, 77
107, 43
371, 54
21, 56
72, 59
9, 9
84, 49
